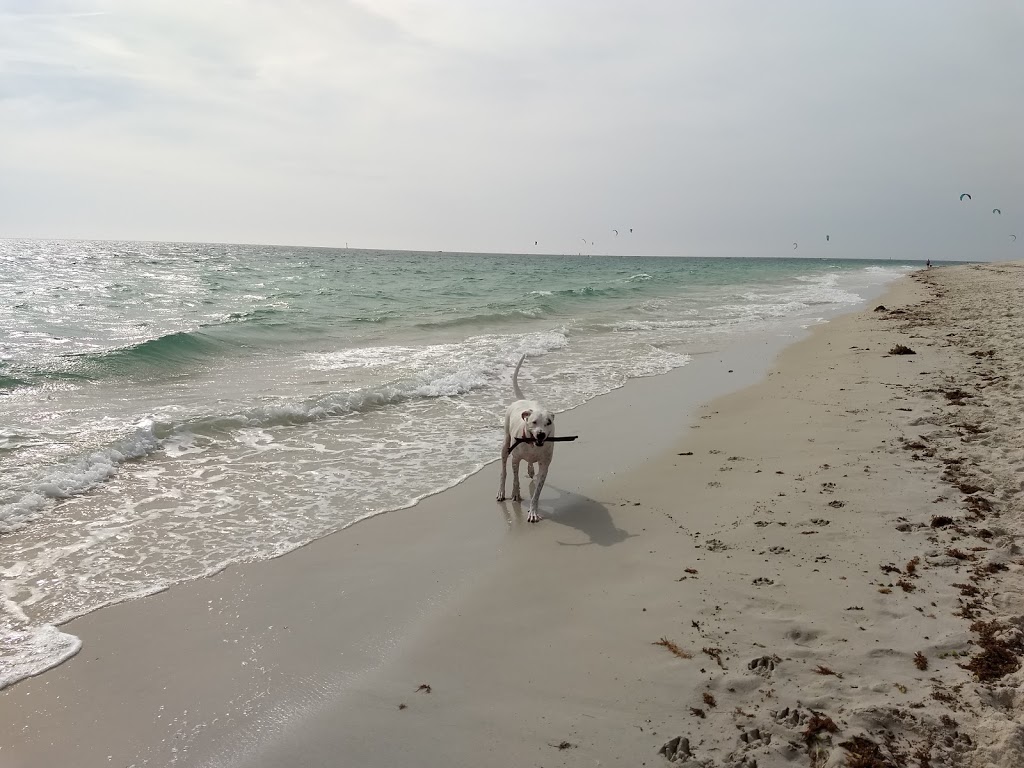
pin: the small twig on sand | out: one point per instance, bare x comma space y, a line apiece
821, 669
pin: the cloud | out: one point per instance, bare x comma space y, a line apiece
730, 128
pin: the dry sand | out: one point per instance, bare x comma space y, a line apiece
820, 569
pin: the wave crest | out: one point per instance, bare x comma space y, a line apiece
488, 359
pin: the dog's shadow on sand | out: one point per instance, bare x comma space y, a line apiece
580, 512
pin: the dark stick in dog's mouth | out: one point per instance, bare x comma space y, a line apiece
530, 441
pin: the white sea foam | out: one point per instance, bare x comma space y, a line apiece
426, 373
658, 325
66, 480
487, 353
360, 357
33, 650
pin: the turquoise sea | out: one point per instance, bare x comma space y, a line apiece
167, 409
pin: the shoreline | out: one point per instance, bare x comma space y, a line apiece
554, 640
762, 347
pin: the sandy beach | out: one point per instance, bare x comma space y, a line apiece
766, 558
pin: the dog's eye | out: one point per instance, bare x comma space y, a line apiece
549, 422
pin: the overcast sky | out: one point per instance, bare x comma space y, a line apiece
711, 128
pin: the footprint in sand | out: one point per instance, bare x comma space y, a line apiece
754, 737
764, 665
778, 550
715, 545
791, 718
750, 741
676, 748
762, 581
741, 761
820, 521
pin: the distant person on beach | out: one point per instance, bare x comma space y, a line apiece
928, 263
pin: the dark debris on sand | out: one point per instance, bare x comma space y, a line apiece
1000, 649
864, 753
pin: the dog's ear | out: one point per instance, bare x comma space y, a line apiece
525, 415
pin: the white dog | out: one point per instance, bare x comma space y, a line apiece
531, 422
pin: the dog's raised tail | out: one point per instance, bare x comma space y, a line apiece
515, 380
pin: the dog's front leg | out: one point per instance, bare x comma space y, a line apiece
504, 462
542, 475
516, 493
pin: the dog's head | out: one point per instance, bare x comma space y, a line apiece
538, 424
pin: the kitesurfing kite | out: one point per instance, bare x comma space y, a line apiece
616, 232
996, 210
965, 195
826, 238
1014, 238
794, 246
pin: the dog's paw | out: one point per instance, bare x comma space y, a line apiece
500, 496
533, 517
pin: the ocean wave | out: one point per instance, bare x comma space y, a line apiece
485, 352
658, 325
536, 304
638, 277
813, 290
11, 382
482, 319
587, 290
173, 350
484, 361
170, 353
81, 475
889, 273
10, 441
756, 311
37, 378
74, 477
372, 319
259, 315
